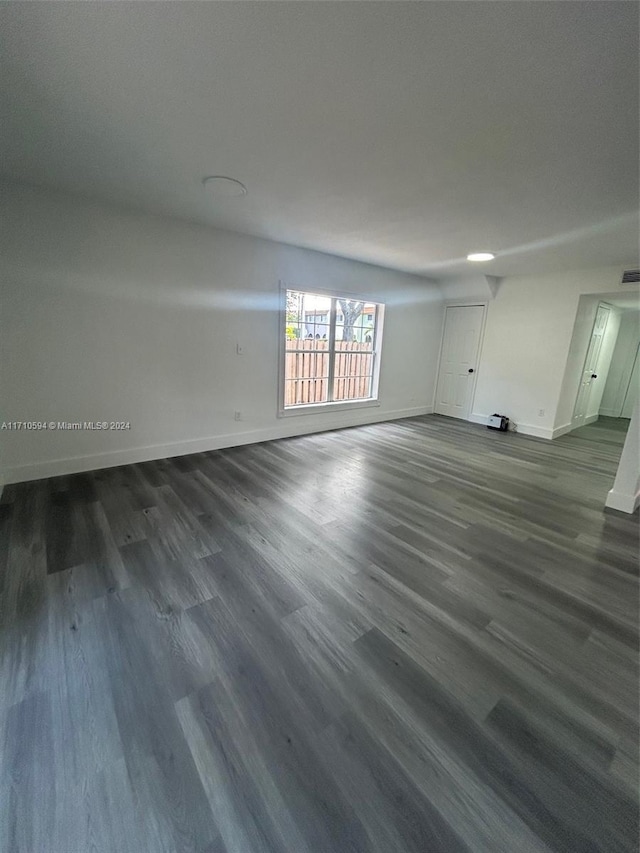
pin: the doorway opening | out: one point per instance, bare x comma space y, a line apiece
602, 338
600, 389
601, 384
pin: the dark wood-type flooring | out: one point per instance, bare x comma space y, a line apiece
413, 636
604, 430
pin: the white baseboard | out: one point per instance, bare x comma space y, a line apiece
524, 429
622, 502
565, 428
551, 433
538, 431
283, 429
535, 431
562, 430
556, 432
478, 419
610, 413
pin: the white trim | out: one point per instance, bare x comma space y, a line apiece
523, 429
631, 363
549, 433
435, 384
575, 425
625, 494
331, 377
463, 303
283, 429
282, 344
335, 406
562, 430
534, 431
622, 502
538, 431
475, 418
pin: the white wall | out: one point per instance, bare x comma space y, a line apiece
526, 344
621, 365
625, 494
473, 286
633, 394
110, 315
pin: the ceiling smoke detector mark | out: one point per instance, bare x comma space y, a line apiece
220, 186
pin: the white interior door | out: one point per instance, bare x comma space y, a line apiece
458, 361
590, 370
631, 397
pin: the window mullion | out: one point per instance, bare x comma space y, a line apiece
374, 349
332, 347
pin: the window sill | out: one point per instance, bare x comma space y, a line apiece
319, 408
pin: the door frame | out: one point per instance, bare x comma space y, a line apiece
626, 392
600, 304
462, 303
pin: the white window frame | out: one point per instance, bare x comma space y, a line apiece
332, 405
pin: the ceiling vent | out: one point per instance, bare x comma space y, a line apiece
630, 277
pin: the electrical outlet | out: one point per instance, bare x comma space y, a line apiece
237, 416
540, 413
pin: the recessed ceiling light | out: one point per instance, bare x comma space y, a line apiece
481, 256
222, 187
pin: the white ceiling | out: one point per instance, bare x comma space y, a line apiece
404, 134
630, 302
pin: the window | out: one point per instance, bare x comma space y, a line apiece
331, 349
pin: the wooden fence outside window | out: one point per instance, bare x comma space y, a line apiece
307, 371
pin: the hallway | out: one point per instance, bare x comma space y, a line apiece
611, 431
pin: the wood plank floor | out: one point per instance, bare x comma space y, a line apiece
413, 636
608, 430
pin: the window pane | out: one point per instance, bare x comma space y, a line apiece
362, 332
349, 312
307, 349
353, 370
354, 358
308, 359
307, 319
306, 375
293, 325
